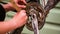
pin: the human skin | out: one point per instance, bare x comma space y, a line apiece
18, 20
9, 6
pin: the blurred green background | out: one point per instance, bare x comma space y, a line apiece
52, 25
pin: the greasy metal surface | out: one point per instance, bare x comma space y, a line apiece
38, 10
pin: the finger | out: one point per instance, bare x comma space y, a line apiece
21, 6
23, 11
23, 1
22, 14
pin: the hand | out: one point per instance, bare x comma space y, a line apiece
20, 18
17, 21
20, 3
